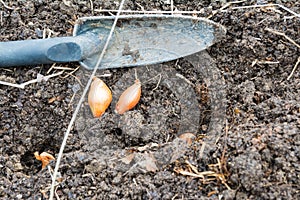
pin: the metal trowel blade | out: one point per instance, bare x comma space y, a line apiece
148, 39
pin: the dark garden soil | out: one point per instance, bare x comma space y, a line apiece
235, 98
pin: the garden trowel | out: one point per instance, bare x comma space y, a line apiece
137, 40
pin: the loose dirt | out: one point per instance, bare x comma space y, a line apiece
235, 98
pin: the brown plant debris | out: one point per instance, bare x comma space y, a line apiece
207, 176
44, 157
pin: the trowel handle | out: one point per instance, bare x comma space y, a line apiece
45, 51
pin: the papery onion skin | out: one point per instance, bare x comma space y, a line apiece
129, 98
99, 97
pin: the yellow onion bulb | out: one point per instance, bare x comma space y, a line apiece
99, 97
129, 98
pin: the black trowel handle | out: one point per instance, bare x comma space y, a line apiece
45, 51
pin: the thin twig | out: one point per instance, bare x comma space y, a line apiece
198, 175
64, 142
11, 84
173, 198
284, 35
105, 75
230, 3
288, 10
295, 67
92, 6
76, 78
225, 142
253, 6
225, 6
44, 33
268, 62
1, 17
268, 5
265, 19
6, 6
194, 169
264, 62
135, 74
159, 80
50, 32
50, 170
71, 100
149, 11
43, 78
152, 79
201, 152
22, 86
254, 63
111, 14
185, 79
72, 72
53, 65
8, 70
56, 195
139, 5
222, 177
64, 68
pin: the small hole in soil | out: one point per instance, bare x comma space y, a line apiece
31, 165
28, 160
117, 131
